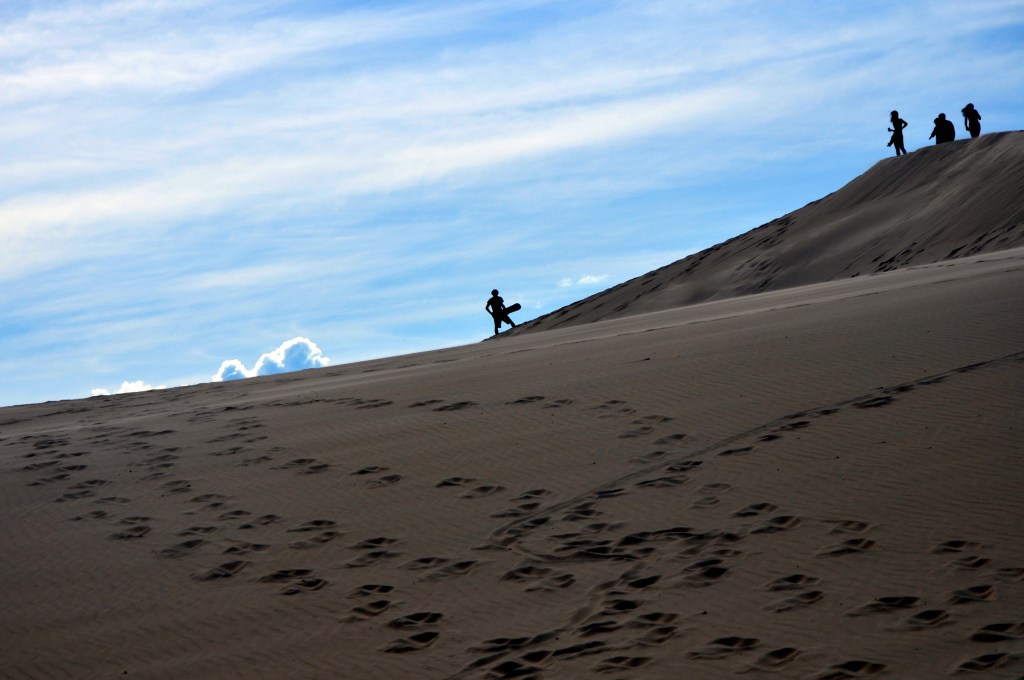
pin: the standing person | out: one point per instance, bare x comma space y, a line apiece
496, 308
944, 130
897, 132
972, 120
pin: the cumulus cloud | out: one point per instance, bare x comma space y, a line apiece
293, 355
126, 386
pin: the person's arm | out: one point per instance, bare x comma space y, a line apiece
903, 124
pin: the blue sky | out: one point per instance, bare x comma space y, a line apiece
191, 182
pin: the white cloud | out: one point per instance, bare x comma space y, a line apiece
127, 386
585, 280
293, 355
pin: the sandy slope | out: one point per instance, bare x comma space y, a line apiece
936, 203
818, 482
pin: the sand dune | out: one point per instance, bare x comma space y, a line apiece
818, 482
937, 203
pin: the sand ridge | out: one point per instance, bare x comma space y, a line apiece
820, 482
937, 203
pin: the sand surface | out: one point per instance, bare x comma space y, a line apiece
818, 482
934, 204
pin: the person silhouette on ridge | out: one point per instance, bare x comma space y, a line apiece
496, 308
897, 132
944, 130
972, 120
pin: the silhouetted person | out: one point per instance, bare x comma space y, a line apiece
972, 120
496, 308
897, 132
944, 130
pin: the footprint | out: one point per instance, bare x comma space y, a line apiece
849, 527
511, 669
985, 662
313, 525
755, 509
133, 532
929, 618
372, 543
793, 582
874, 402
482, 491
374, 403
616, 664
737, 451
285, 575
886, 604
224, 571
370, 470
654, 619
670, 439
370, 589
554, 582
178, 486
314, 541
261, 521
775, 659
999, 632
581, 649
386, 480
424, 563
531, 494
369, 610
971, 562
851, 669
1010, 574
705, 573
456, 406
454, 481
454, 570
661, 482
244, 548
413, 643
182, 549
723, 647
797, 601
415, 620
304, 585
95, 514
528, 573
371, 558
776, 524
684, 466
854, 545
233, 514
955, 546
426, 402
527, 400
973, 594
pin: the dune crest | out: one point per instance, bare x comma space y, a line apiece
937, 203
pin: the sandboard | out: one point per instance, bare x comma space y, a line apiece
513, 308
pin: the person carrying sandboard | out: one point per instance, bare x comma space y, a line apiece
497, 309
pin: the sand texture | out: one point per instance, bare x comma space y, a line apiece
819, 482
937, 203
